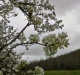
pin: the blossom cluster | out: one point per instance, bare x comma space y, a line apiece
38, 71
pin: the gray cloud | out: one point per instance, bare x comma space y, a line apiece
64, 6
75, 39
30, 58
35, 50
69, 9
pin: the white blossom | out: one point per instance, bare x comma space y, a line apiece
1, 73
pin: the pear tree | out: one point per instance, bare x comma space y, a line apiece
41, 15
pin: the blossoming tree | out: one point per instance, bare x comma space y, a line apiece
38, 13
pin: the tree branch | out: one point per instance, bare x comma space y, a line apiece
15, 37
21, 3
18, 44
22, 10
26, 3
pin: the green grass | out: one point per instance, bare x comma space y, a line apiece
64, 72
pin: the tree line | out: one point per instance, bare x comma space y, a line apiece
70, 61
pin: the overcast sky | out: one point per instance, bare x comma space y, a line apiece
66, 10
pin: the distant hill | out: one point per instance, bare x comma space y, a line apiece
70, 61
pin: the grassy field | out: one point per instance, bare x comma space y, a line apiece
64, 72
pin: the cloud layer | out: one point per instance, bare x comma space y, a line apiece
64, 6
69, 12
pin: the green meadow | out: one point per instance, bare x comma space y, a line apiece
63, 72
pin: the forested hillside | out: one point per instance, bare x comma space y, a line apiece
70, 61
